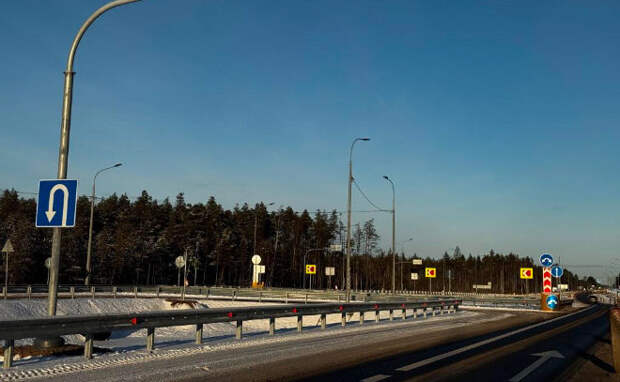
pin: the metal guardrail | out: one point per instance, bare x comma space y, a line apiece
89, 325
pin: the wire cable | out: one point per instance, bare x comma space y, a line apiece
367, 199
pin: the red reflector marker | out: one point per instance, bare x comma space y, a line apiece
341, 308
134, 321
376, 306
294, 310
230, 314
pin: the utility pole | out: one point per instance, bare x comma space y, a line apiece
350, 181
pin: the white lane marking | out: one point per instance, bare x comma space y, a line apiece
449, 354
375, 378
543, 358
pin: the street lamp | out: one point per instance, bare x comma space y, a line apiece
348, 286
90, 226
393, 233
63, 152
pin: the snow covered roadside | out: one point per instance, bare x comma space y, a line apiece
129, 346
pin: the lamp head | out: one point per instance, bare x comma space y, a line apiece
364, 139
385, 177
118, 165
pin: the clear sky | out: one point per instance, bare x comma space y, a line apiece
498, 121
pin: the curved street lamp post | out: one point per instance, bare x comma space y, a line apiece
348, 281
90, 225
63, 152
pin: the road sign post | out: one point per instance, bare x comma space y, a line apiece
430, 274
256, 259
6, 249
56, 208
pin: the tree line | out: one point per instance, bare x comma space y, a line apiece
137, 242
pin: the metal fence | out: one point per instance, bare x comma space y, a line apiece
90, 325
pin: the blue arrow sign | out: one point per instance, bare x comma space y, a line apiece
57, 203
552, 301
546, 260
557, 271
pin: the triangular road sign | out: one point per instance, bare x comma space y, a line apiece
8, 247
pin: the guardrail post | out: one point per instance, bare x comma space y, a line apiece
88, 346
29, 291
323, 321
344, 319
92, 292
114, 292
424, 312
404, 313
415, 313
232, 297
208, 292
377, 315
306, 299
8, 354
150, 339
199, 334
157, 291
260, 296
135, 291
339, 299
286, 298
4, 292
433, 310
239, 331
300, 323
272, 326
391, 314
72, 291
361, 318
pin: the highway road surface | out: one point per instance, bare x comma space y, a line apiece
487, 345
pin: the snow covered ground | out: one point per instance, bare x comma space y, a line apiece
128, 346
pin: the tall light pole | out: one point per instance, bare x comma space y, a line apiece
393, 233
63, 152
348, 286
90, 226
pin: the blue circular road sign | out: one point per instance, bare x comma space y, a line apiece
546, 260
557, 271
552, 301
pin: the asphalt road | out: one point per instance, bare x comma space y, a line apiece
534, 352
481, 346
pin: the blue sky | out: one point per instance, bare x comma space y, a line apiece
498, 121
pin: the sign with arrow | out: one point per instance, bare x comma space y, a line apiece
430, 272
546, 260
57, 203
527, 273
310, 269
8, 247
544, 357
546, 280
557, 271
552, 301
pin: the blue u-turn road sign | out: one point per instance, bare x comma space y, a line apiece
557, 271
57, 203
552, 301
546, 260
